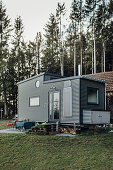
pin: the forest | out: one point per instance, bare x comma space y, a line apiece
83, 45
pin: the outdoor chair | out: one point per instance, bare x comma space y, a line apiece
10, 124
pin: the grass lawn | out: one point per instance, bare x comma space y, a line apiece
3, 124
82, 152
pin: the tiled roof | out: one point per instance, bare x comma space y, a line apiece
106, 76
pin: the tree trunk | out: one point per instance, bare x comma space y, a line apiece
104, 55
94, 54
92, 63
5, 104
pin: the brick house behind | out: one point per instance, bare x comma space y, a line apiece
108, 77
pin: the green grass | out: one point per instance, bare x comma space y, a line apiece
33, 152
3, 124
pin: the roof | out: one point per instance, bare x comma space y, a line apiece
38, 75
73, 77
61, 78
106, 76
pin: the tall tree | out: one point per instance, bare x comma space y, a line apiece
50, 59
5, 29
77, 16
60, 12
101, 22
17, 48
90, 10
38, 42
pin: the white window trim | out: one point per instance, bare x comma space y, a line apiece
36, 103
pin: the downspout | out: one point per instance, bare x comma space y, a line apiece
80, 114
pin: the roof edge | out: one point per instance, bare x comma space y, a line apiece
74, 77
38, 75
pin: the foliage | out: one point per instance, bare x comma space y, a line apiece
5, 29
50, 59
90, 26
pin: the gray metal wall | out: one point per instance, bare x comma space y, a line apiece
75, 84
27, 90
49, 77
83, 96
75, 104
40, 113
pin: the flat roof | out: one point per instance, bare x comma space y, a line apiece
74, 77
38, 75
61, 78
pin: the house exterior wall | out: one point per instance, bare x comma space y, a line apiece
83, 96
27, 90
40, 113
58, 86
75, 84
47, 77
108, 77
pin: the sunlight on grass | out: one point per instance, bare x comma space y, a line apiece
23, 151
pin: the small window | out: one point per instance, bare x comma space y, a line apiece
34, 101
37, 84
92, 95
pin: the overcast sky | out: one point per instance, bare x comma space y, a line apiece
35, 13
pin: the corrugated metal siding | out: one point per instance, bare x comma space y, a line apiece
40, 113
75, 104
83, 96
96, 117
27, 90
51, 77
75, 99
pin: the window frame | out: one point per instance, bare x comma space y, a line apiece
38, 84
52, 108
34, 105
93, 103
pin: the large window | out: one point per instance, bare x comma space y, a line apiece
54, 105
34, 101
92, 95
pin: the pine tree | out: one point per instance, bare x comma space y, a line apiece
60, 12
17, 48
5, 29
101, 22
50, 59
38, 43
90, 11
77, 17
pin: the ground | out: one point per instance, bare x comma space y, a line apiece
26, 152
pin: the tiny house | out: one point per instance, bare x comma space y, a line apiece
108, 77
51, 98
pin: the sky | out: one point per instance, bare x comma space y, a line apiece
34, 13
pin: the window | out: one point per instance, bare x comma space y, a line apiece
54, 105
37, 84
92, 95
67, 102
34, 101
